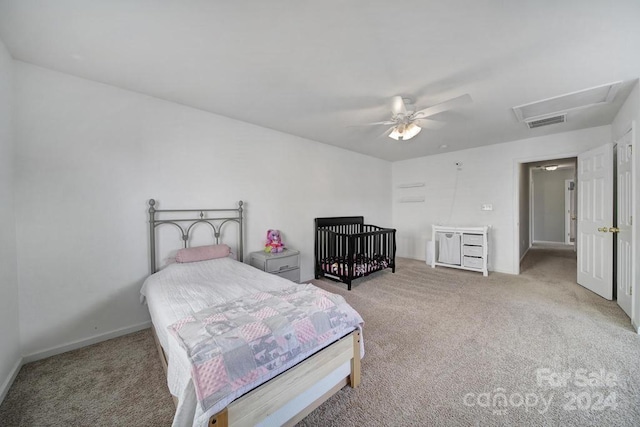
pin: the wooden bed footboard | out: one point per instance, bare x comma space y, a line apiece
266, 399
263, 401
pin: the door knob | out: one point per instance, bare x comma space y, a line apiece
614, 230
603, 229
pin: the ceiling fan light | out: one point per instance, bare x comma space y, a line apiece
395, 134
551, 167
404, 132
411, 131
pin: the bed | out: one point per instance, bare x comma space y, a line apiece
283, 395
346, 248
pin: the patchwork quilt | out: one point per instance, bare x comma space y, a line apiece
242, 341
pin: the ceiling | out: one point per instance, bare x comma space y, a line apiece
316, 69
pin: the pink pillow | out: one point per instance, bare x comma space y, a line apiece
202, 253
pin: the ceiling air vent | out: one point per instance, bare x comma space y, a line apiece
554, 110
547, 121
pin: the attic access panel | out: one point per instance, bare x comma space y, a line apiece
572, 101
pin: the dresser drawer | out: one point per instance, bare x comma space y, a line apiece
293, 274
472, 250
472, 262
274, 265
472, 239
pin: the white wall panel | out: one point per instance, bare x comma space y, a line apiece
9, 323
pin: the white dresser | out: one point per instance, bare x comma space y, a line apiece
466, 248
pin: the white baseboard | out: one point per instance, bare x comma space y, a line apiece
85, 342
9, 381
635, 327
544, 242
497, 270
524, 254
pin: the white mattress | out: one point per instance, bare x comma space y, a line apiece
181, 289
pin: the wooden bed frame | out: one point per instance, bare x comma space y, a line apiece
269, 397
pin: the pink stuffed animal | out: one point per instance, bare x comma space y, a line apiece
274, 242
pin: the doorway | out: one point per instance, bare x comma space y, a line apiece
544, 219
550, 193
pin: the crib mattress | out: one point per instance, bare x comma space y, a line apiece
361, 266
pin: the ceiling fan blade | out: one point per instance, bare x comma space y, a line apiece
443, 106
429, 124
397, 105
387, 122
386, 132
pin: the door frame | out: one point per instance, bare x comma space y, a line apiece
635, 301
516, 198
568, 195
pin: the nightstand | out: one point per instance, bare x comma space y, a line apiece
284, 264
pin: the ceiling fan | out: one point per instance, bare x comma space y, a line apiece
405, 123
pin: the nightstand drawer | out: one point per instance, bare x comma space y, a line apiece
274, 265
285, 264
293, 274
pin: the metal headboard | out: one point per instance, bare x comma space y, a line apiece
219, 219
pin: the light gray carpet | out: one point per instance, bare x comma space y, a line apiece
434, 338
119, 382
439, 343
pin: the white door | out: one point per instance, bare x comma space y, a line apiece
624, 262
595, 216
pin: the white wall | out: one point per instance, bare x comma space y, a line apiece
488, 175
9, 326
628, 114
548, 204
89, 156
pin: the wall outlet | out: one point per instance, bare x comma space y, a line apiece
487, 207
